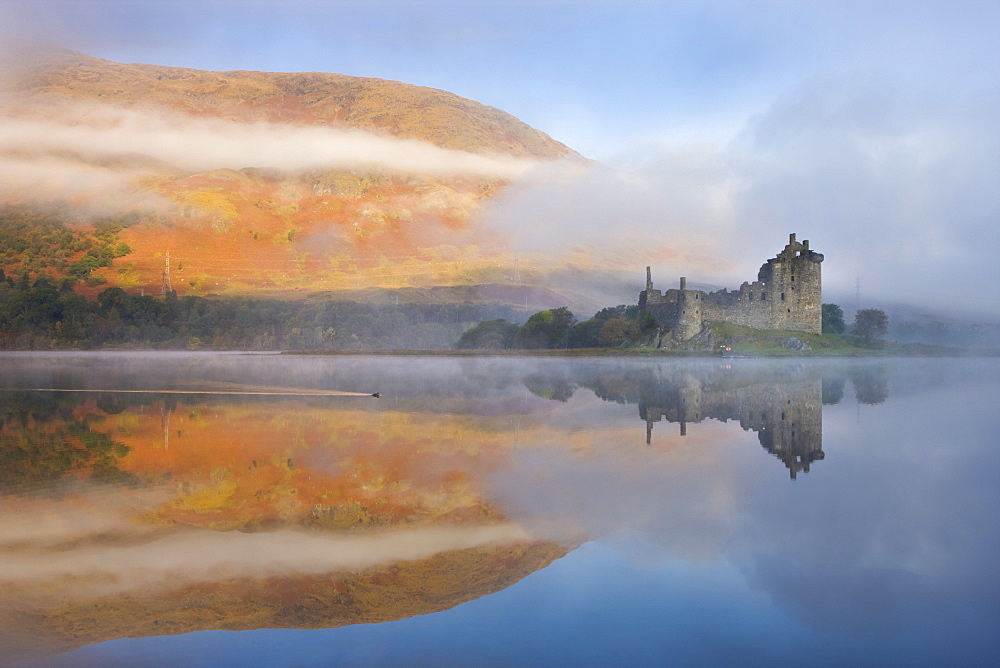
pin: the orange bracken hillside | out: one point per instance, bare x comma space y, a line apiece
260, 230
378, 105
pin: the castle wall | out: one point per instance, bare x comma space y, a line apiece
678, 310
786, 295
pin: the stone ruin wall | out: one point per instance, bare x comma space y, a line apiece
786, 295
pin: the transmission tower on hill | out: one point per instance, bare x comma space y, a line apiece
166, 287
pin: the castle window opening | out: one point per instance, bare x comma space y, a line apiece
763, 296
782, 296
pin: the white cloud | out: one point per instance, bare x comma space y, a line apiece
893, 185
96, 133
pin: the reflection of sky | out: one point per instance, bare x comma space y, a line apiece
594, 607
884, 552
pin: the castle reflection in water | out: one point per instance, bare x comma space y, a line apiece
787, 417
782, 403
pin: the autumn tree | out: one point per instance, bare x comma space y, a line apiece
547, 329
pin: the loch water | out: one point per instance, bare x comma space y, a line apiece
209, 509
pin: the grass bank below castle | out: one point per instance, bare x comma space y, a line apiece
745, 341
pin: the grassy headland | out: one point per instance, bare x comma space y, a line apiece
743, 342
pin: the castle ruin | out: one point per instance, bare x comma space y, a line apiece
786, 295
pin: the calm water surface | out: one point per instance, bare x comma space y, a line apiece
225, 509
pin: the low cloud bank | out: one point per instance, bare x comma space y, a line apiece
145, 560
53, 177
93, 147
895, 186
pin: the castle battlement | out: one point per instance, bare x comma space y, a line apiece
786, 295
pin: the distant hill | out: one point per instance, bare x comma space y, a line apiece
375, 105
137, 142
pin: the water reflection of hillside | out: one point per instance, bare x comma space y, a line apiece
142, 513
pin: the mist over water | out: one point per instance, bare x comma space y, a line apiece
846, 503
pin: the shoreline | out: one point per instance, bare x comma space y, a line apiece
635, 352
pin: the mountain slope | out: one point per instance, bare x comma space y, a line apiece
264, 183
374, 105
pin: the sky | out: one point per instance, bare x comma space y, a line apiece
870, 128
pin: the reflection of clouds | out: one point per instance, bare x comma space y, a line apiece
135, 560
911, 523
900, 517
680, 494
42, 524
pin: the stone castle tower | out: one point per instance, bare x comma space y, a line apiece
786, 295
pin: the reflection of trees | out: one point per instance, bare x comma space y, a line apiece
871, 384
548, 386
833, 391
41, 442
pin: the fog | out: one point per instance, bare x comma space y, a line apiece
114, 555
895, 188
100, 133
48, 524
52, 177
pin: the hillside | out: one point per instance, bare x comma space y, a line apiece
38, 73
264, 183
